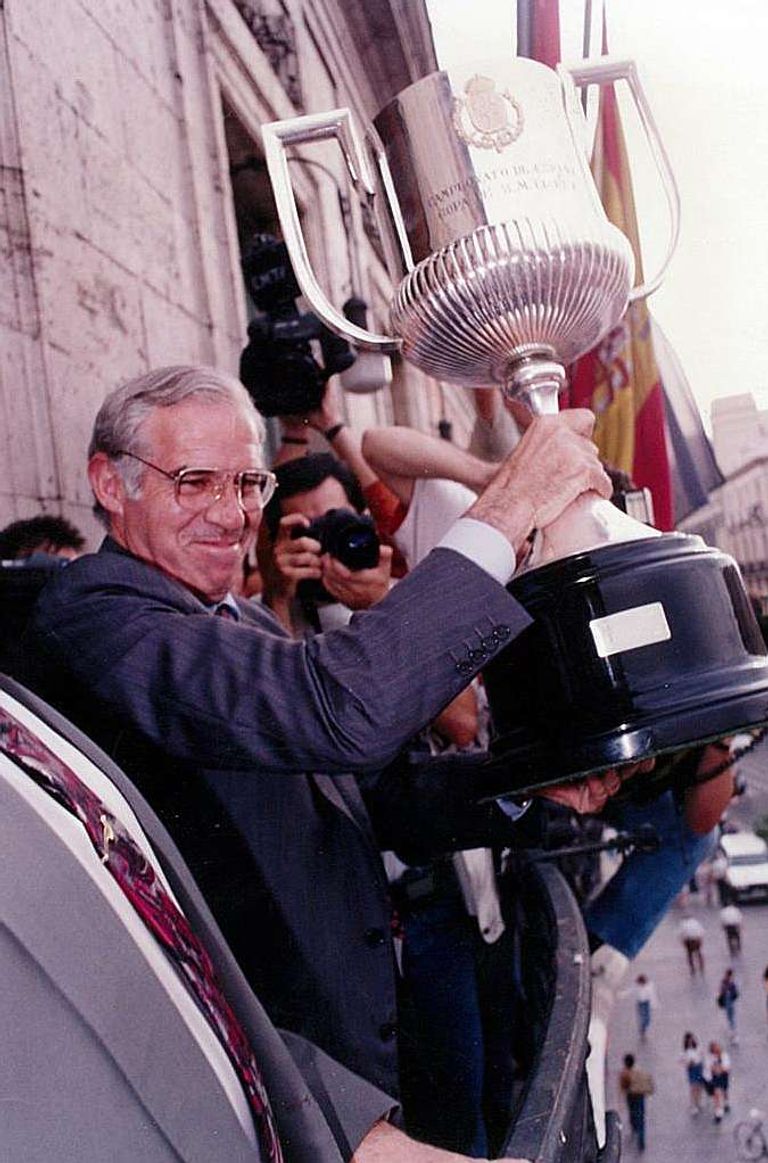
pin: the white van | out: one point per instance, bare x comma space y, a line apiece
747, 872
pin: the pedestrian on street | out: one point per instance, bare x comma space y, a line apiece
765, 989
693, 1060
730, 919
645, 1001
707, 884
692, 935
719, 868
635, 1084
727, 997
717, 1078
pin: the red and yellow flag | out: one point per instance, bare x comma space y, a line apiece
619, 379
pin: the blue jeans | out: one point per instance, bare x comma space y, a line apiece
636, 1104
634, 901
730, 1011
643, 1016
442, 1042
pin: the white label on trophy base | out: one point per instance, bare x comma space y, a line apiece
630, 629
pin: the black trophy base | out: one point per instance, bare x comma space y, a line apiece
638, 649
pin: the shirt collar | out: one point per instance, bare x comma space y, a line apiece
228, 602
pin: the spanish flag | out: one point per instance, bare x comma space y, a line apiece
619, 379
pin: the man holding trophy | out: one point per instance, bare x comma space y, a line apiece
238, 735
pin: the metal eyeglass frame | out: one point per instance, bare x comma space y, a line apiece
268, 482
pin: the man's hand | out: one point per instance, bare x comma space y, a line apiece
358, 589
705, 802
385, 1144
329, 411
589, 796
294, 559
324, 416
553, 464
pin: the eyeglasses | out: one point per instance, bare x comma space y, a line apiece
197, 488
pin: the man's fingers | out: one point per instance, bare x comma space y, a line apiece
288, 524
296, 545
601, 483
579, 420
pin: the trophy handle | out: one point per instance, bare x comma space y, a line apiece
294, 131
604, 71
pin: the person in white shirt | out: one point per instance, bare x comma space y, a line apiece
645, 1000
717, 1077
692, 935
730, 919
693, 1060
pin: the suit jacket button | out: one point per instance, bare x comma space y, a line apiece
503, 632
374, 937
490, 642
387, 1031
464, 667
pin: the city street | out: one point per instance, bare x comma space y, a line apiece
688, 1003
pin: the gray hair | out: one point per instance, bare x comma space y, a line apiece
118, 423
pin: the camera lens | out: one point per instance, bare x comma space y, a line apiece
351, 539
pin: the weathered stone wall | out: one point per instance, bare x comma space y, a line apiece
117, 223
121, 251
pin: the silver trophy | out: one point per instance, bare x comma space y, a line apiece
505, 265
505, 270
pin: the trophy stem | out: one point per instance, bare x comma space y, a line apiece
536, 379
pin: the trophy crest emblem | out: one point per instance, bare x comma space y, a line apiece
485, 118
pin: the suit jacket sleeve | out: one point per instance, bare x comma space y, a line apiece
224, 694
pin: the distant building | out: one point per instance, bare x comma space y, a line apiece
739, 431
132, 175
735, 518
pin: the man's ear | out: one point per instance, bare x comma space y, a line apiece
106, 482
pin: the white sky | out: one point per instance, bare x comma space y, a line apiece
704, 66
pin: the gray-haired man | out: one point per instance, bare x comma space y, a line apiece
219, 719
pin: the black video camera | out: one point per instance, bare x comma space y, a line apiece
349, 537
277, 365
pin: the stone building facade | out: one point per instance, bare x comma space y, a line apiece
131, 174
739, 431
735, 517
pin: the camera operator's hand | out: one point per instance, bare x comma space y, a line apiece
590, 795
361, 588
554, 463
329, 413
295, 559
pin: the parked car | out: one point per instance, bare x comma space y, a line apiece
747, 872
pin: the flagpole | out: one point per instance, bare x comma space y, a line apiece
524, 28
587, 38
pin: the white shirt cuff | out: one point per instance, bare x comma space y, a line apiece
484, 545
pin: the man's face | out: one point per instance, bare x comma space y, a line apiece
203, 550
316, 502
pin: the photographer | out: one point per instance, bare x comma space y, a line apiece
308, 584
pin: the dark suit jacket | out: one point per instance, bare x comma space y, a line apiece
218, 722
97, 1063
